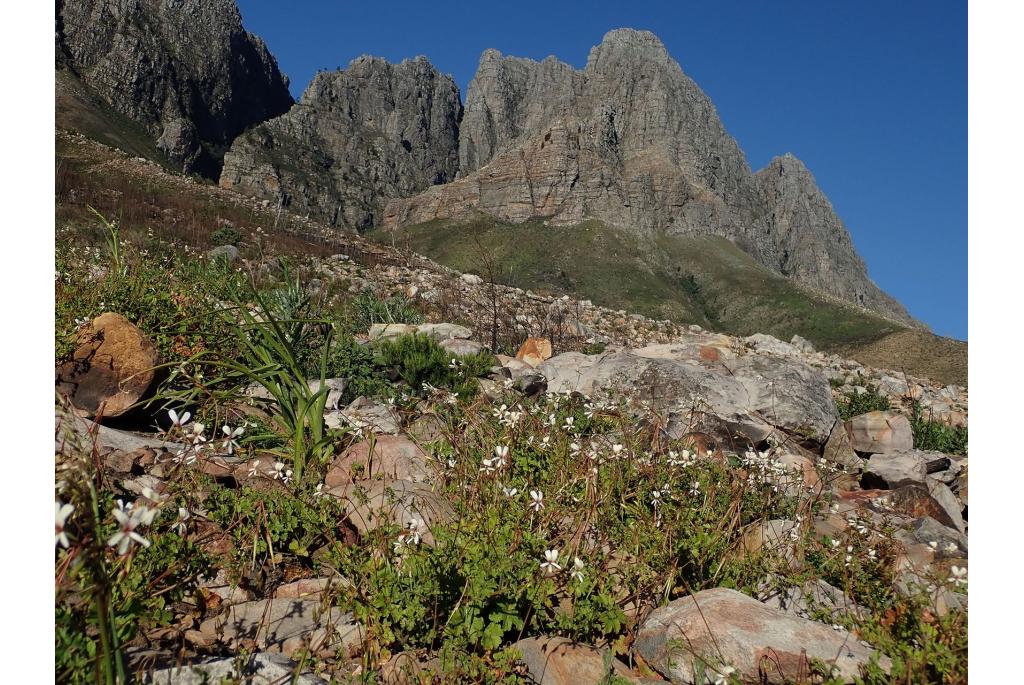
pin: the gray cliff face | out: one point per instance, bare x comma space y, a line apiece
184, 69
814, 246
629, 139
634, 142
356, 138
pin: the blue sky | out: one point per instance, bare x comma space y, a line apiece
871, 95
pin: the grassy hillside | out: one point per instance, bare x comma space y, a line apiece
80, 109
704, 280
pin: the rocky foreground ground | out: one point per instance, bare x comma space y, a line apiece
805, 525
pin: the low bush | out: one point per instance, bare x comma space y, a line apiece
418, 361
854, 404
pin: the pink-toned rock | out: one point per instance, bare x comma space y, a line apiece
880, 431
558, 661
724, 628
385, 457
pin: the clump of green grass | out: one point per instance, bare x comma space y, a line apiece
930, 434
854, 404
421, 363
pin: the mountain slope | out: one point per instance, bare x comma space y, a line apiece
705, 280
185, 70
357, 137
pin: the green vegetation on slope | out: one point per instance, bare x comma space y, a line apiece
705, 280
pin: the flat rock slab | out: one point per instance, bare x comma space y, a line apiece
559, 661
364, 412
384, 457
753, 394
284, 625
255, 669
722, 627
880, 431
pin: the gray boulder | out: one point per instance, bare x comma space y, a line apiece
260, 668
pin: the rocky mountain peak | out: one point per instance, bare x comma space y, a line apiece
814, 246
186, 70
357, 137
631, 44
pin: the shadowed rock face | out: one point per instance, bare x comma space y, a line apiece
184, 69
814, 246
356, 138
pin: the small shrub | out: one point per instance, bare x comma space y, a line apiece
933, 435
417, 360
226, 236
366, 309
852, 404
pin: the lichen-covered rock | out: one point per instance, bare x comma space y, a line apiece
357, 137
185, 70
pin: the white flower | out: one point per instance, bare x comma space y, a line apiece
959, 574
568, 423
180, 526
500, 452
536, 500
545, 442
254, 467
231, 438
509, 492
617, 448
695, 488
197, 436
280, 472
577, 569
130, 520
178, 421
550, 565
411, 536
723, 676
62, 512
656, 497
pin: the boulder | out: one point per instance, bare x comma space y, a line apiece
373, 503
753, 394
445, 331
534, 351
802, 344
260, 668
880, 431
811, 598
948, 542
838, 449
767, 344
285, 626
724, 628
228, 254
559, 661
894, 469
112, 368
471, 279
460, 347
389, 331
365, 413
384, 457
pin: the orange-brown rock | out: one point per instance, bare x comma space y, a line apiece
534, 351
112, 368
